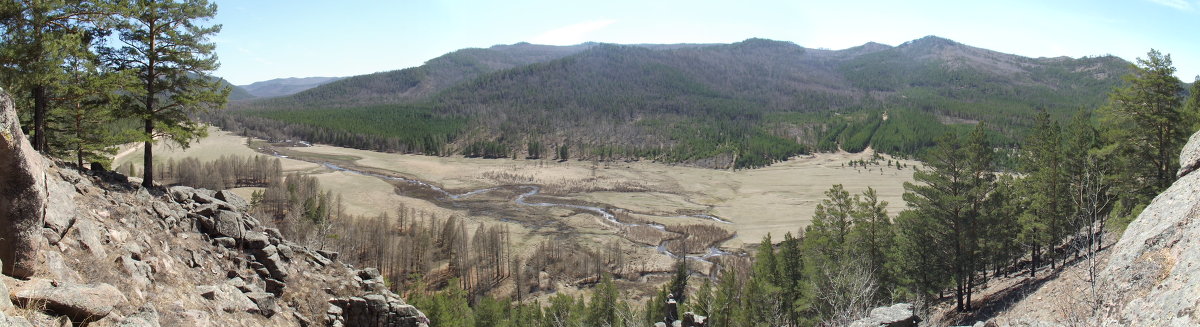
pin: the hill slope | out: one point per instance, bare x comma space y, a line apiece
757, 100
285, 86
87, 246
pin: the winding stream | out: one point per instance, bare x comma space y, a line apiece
712, 251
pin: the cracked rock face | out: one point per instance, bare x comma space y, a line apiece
22, 194
1153, 275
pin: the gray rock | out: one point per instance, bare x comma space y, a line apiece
88, 232
5, 302
138, 271
229, 224
181, 194
163, 210
256, 240
332, 256
80, 303
275, 286
275, 266
266, 303
23, 198
51, 236
232, 299
1153, 272
207, 291
897, 315
207, 210
285, 252
62, 211
227, 242
145, 317
12, 321
1189, 158
202, 198
317, 258
273, 234
374, 310
233, 199
369, 274
54, 263
197, 318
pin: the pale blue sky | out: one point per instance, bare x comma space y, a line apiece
265, 39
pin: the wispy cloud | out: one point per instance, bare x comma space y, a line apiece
1184, 5
571, 34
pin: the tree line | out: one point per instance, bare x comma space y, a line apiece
95, 74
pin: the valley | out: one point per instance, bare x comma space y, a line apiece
777, 198
637, 207
610, 164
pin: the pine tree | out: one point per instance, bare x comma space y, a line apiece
85, 111
602, 311
171, 55
1145, 124
790, 276
1001, 246
831, 224
1192, 107
872, 238
702, 301
919, 263
948, 202
38, 38
726, 300
1041, 224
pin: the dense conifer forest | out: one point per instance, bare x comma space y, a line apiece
746, 104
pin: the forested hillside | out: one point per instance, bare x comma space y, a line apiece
744, 104
285, 86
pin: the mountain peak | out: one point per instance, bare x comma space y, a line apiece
764, 43
931, 41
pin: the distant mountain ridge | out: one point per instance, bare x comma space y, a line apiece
285, 86
653, 101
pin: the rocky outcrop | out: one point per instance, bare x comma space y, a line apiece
1153, 274
23, 194
89, 247
80, 303
897, 315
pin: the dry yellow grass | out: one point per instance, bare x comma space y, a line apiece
210, 148
774, 199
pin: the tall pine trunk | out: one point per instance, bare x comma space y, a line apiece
41, 103
1033, 255
148, 158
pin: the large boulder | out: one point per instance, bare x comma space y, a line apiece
228, 224
897, 315
80, 303
233, 199
22, 194
1153, 274
384, 309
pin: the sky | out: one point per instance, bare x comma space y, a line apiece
267, 39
